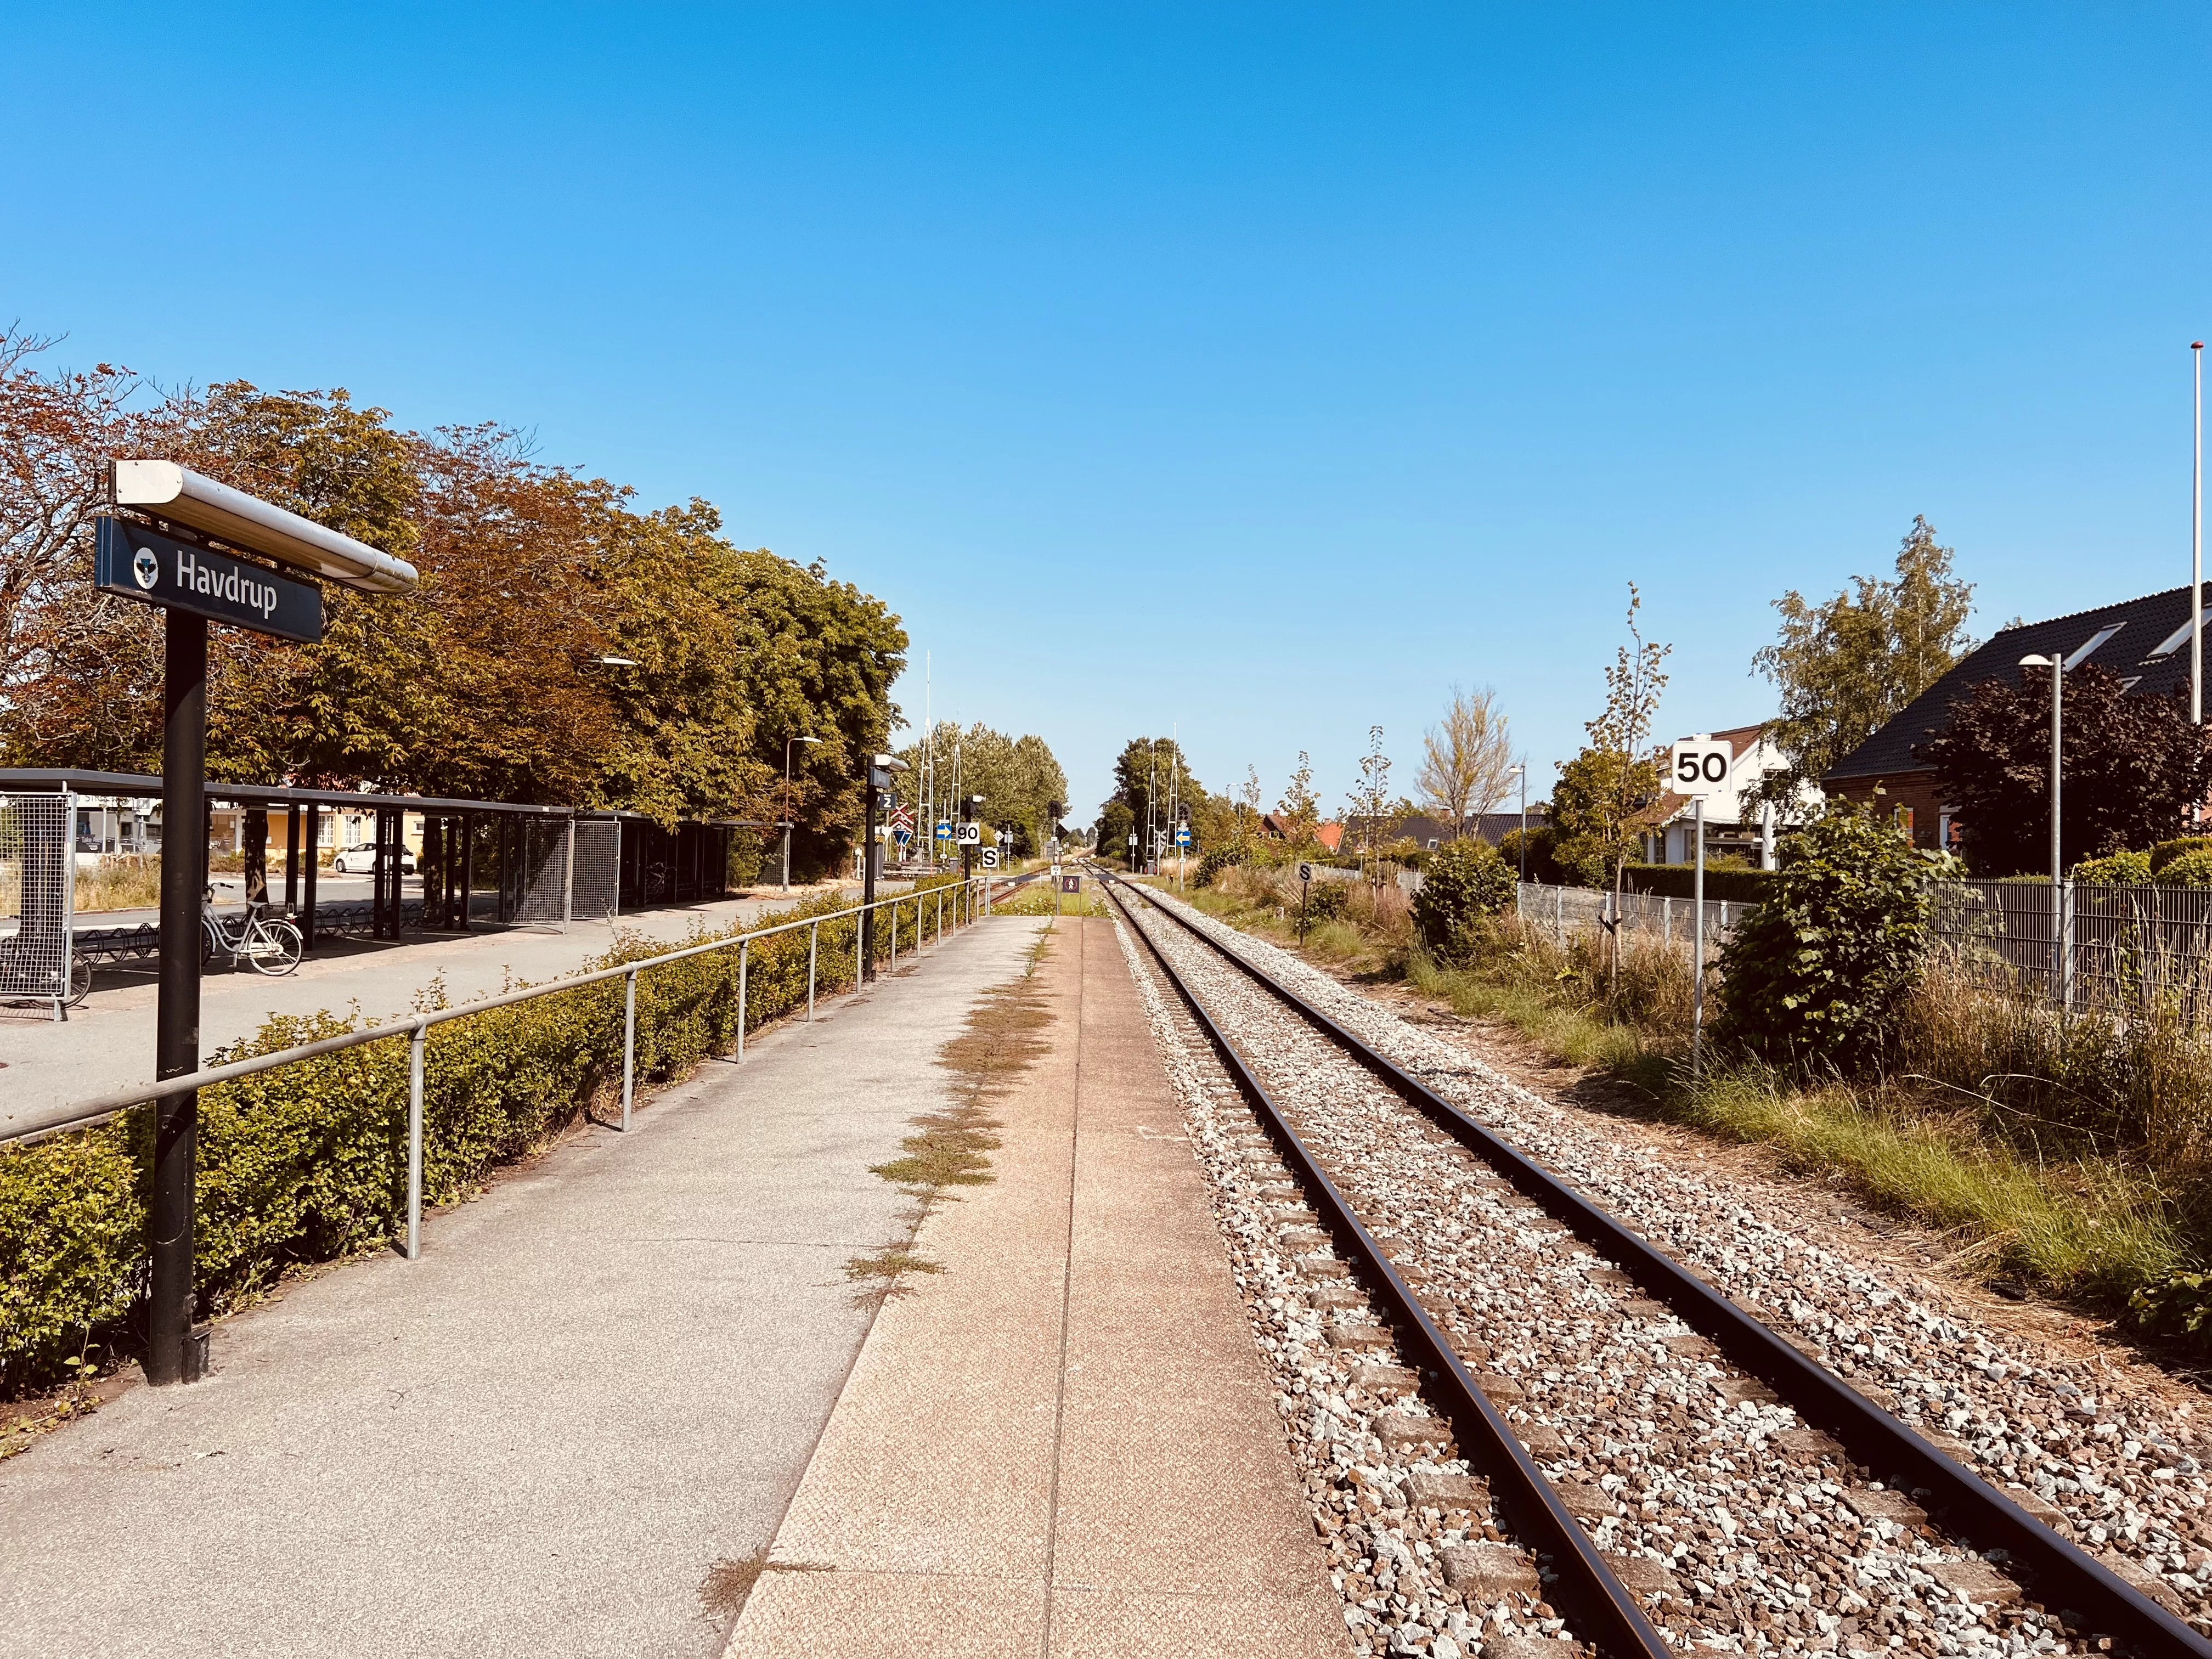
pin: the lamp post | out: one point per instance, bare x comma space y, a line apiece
2060, 957
1520, 772
789, 739
2197, 548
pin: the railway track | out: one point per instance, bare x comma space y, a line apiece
1582, 1436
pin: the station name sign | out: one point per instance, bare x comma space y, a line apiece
142, 564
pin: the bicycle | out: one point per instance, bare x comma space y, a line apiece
269, 944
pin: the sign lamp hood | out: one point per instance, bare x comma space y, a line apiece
183, 496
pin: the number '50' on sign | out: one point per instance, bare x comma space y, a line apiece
1700, 767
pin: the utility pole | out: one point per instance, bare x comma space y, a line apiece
2196, 547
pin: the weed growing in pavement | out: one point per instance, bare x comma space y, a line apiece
952, 1148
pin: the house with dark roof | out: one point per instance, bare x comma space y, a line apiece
2145, 643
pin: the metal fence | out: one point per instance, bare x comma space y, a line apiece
595, 873
2081, 944
1564, 910
934, 912
544, 846
38, 890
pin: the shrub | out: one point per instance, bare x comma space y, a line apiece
1738, 886
308, 1162
1215, 862
1816, 977
1326, 901
2192, 869
1466, 883
2179, 1307
2115, 869
1541, 865
2165, 851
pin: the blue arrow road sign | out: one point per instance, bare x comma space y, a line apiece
944, 829
1182, 836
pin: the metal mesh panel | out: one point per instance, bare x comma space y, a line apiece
2119, 947
542, 900
38, 888
1563, 909
596, 883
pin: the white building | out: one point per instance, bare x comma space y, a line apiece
1733, 827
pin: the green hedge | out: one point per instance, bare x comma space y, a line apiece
1675, 881
308, 1162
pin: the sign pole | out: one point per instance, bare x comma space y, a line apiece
177, 1023
1697, 947
868, 885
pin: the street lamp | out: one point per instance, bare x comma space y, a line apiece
1522, 772
788, 740
2060, 957
616, 662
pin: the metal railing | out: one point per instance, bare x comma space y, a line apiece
971, 900
2080, 945
1565, 909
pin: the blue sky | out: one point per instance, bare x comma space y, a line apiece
1265, 369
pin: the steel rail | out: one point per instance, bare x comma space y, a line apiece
2066, 1577
1600, 1608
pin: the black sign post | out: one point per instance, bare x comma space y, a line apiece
194, 585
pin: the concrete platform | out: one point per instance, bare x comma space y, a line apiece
556, 1434
1063, 1444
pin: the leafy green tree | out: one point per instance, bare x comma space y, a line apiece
487, 681
1298, 809
2135, 768
1114, 822
1845, 667
1463, 884
1018, 777
1814, 978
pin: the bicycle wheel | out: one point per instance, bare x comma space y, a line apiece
80, 980
275, 948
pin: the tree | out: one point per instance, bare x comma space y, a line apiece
1846, 667
2134, 769
1623, 789
1467, 759
1018, 778
487, 681
1298, 809
1587, 825
1369, 801
1815, 976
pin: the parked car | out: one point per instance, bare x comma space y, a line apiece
362, 861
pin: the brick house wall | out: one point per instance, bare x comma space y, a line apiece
1911, 792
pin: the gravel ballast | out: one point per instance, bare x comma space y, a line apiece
1742, 1528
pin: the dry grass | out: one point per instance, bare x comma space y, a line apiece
953, 1147
2068, 1155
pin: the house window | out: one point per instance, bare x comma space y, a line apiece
1902, 817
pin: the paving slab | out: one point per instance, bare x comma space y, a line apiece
1064, 1442
590, 1399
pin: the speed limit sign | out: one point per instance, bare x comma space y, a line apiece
1699, 767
